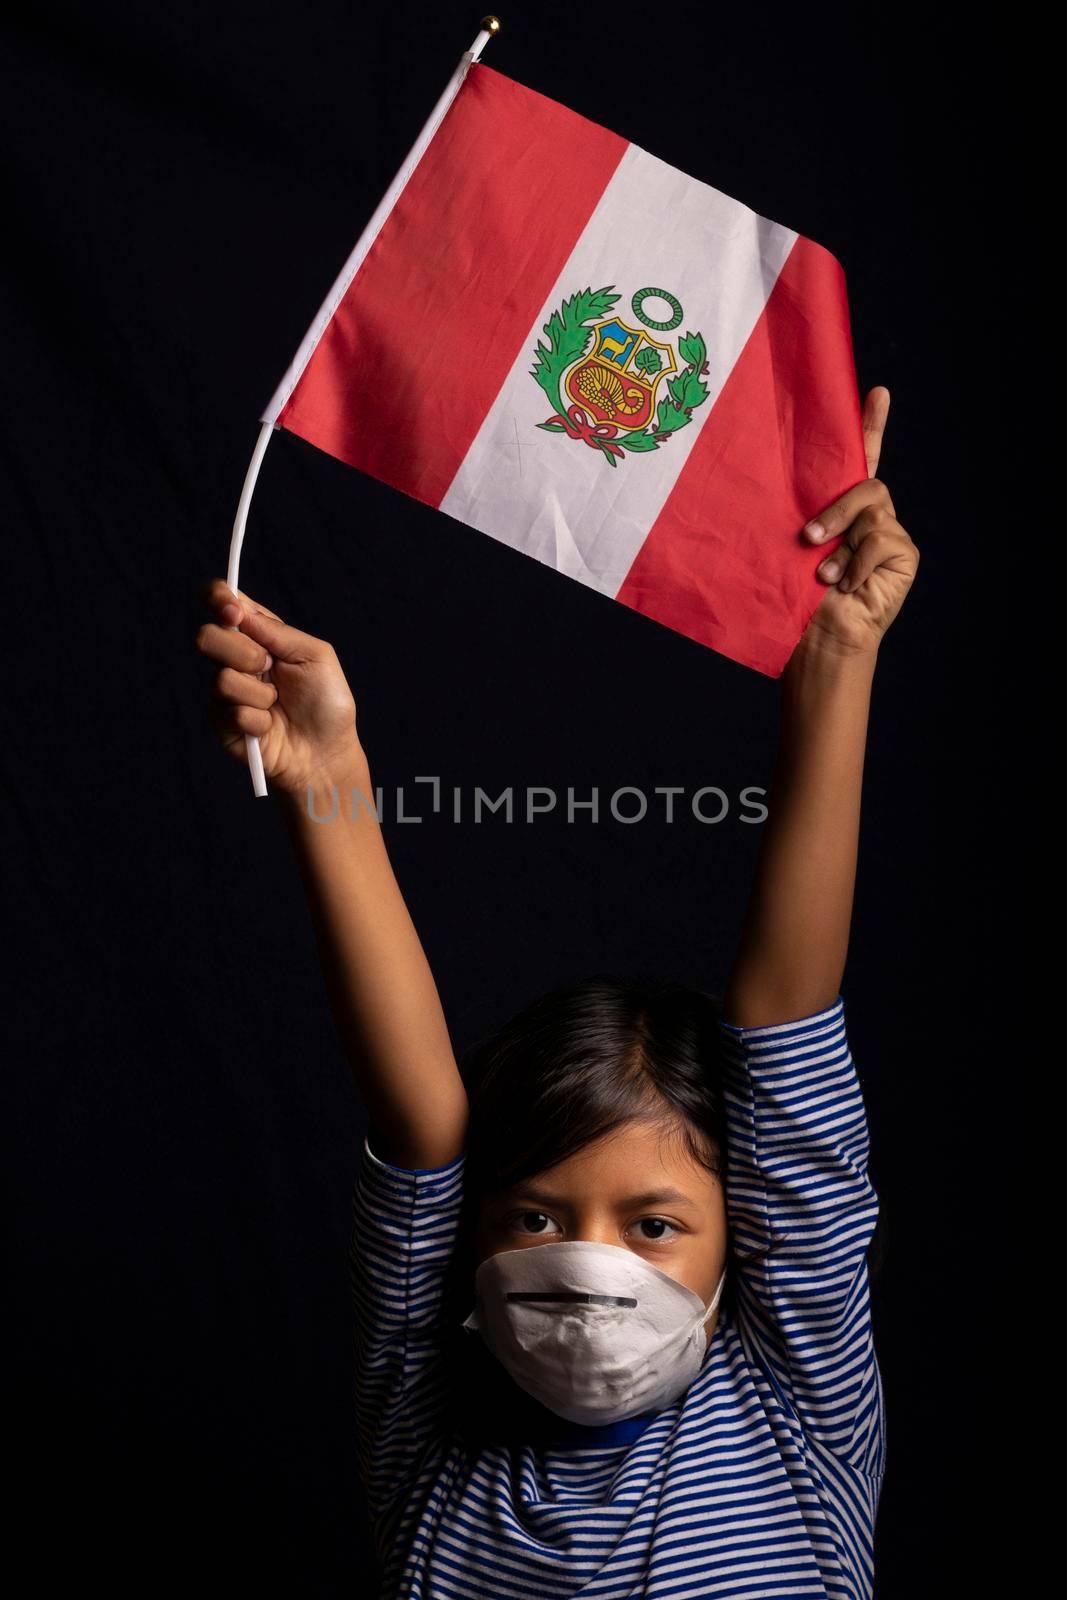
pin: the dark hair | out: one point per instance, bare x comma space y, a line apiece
570, 1068
576, 1064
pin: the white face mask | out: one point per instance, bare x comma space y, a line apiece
593, 1331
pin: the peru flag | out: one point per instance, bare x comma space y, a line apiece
559, 339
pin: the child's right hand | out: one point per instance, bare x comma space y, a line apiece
282, 686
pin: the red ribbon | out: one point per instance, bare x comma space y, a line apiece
583, 428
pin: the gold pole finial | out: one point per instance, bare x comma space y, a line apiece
491, 24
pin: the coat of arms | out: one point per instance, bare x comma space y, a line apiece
612, 384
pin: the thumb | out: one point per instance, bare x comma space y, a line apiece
875, 412
283, 642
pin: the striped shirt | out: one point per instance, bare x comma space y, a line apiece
762, 1479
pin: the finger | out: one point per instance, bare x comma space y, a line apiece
232, 648
832, 569
240, 688
842, 512
862, 549
875, 412
257, 605
220, 717
217, 595
884, 547
284, 643
231, 723
248, 719
839, 560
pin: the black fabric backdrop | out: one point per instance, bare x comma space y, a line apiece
180, 1129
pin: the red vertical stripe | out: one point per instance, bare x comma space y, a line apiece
724, 562
457, 276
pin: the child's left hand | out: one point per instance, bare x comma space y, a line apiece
873, 566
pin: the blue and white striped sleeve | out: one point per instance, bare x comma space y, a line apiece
802, 1211
404, 1224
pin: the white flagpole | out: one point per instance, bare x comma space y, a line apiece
268, 421
252, 751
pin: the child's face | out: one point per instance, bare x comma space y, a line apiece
613, 1192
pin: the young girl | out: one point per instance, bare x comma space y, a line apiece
612, 1325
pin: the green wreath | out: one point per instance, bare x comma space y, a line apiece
569, 341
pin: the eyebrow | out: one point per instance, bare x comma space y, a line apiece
652, 1197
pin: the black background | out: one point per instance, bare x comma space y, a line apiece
180, 1130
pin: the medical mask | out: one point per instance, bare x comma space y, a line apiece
592, 1331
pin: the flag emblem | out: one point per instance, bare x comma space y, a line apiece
612, 388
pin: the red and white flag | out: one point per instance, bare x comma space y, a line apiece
559, 339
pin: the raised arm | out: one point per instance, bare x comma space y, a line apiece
791, 955
380, 987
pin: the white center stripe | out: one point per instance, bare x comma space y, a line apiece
560, 500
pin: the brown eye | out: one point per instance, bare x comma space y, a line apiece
531, 1224
539, 1221
657, 1222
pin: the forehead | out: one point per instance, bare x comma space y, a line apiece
636, 1159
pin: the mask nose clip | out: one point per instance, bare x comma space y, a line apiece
569, 1296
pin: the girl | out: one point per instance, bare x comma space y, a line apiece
612, 1324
